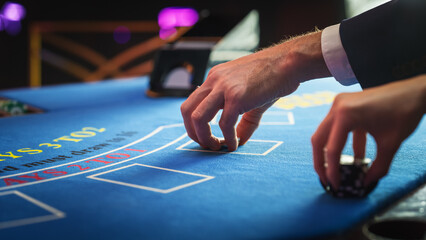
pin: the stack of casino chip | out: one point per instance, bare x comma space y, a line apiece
12, 107
352, 174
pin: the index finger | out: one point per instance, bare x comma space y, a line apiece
319, 139
336, 142
188, 107
201, 117
227, 124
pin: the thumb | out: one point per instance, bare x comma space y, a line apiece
249, 123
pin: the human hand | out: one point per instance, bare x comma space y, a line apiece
249, 86
390, 113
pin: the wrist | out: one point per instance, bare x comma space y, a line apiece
416, 89
304, 60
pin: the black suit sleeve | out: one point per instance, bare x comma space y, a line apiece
387, 43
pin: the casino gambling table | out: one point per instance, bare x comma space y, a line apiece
104, 161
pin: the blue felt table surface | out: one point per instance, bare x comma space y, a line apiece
150, 181
74, 96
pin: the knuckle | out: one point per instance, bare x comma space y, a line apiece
315, 139
213, 75
252, 118
252, 123
341, 105
196, 116
338, 100
214, 69
341, 109
234, 94
184, 109
341, 97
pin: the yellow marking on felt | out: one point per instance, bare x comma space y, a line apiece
305, 100
29, 151
9, 154
67, 138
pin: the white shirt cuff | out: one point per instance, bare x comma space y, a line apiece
335, 56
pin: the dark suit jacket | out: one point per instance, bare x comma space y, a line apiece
387, 43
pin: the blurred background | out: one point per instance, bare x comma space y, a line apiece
18, 41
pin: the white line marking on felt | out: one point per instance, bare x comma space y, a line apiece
206, 178
56, 214
173, 125
157, 130
95, 169
272, 148
277, 143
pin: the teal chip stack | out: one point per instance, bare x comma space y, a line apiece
13, 107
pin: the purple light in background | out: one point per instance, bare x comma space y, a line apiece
177, 17
12, 27
13, 11
166, 33
1, 23
122, 34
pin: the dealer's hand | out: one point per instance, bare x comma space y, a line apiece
249, 86
390, 113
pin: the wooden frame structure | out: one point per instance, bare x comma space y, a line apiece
47, 31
